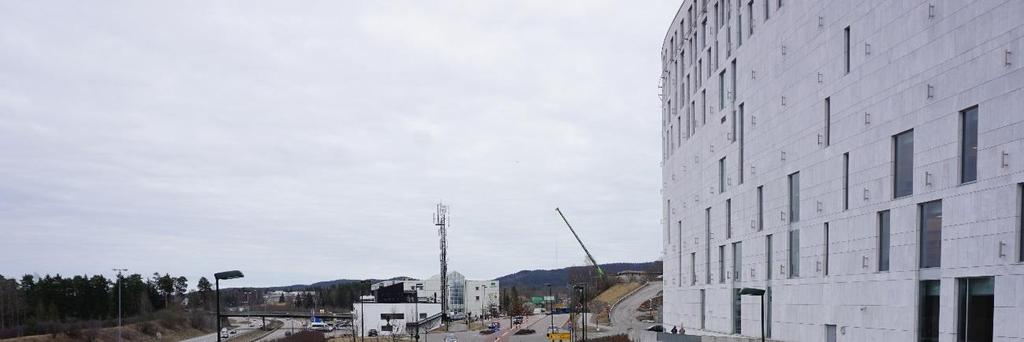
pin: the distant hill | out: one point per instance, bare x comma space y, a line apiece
324, 284
560, 277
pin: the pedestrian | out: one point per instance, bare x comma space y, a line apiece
674, 330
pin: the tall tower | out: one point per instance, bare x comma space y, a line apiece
441, 221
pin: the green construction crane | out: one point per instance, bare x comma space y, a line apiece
590, 257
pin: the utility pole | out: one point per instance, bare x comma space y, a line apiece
119, 286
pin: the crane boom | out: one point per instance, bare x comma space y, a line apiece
589, 256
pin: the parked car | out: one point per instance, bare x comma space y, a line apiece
494, 326
517, 320
372, 333
224, 333
450, 338
656, 327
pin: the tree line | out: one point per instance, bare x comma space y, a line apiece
34, 300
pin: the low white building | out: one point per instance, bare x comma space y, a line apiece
396, 318
469, 297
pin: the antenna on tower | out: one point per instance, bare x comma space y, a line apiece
441, 221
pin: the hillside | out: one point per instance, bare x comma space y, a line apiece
560, 277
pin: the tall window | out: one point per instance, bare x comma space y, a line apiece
679, 243
768, 253
737, 261
975, 309
846, 50
693, 268
824, 266
969, 145
1020, 224
903, 168
721, 175
846, 181
928, 312
739, 26
760, 207
704, 105
884, 235
931, 234
766, 10
794, 197
721, 90
721, 14
740, 163
718, 16
679, 130
728, 218
707, 245
750, 14
828, 121
794, 253
732, 69
721, 264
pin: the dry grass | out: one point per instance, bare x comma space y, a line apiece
615, 292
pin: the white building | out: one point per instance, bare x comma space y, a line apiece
396, 318
465, 296
861, 160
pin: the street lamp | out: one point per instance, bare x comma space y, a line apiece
550, 311
119, 286
750, 291
583, 299
216, 279
362, 321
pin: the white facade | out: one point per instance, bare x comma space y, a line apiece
466, 296
756, 91
392, 318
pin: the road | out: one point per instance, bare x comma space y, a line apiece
624, 314
538, 323
242, 327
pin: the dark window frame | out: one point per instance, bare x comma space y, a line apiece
897, 177
968, 173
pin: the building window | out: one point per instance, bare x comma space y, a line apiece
830, 333
740, 163
928, 311
794, 253
846, 50
969, 145
693, 268
721, 264
779, 5
768, 256
728, 218
903, 166
707, 245
737, 261
478, 298
766, 15
704, 106
737, 312
846, 181
931, 234
884, 234
721, 90
721, 175
732, 134
828, 122
794, 197
679, 130
750, 14
732, 69
718, 15
824, 266
739, 28
1020, 225
975, 309
760, 207
679, 244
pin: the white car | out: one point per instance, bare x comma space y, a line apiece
224, 333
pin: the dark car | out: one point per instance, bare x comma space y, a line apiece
656, 327
373, 332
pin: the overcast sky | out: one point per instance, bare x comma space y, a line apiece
307, 142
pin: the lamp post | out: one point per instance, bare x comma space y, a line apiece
749, 291
216, 279
119, 287
362, 321
550, 311
583, 300
416, 311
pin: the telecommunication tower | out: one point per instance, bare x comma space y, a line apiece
441, 221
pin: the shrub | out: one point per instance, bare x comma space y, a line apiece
148, 328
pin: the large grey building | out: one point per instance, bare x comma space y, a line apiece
862, 161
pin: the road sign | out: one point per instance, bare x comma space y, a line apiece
549, 298
559, 336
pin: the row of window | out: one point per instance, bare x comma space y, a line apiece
930, 246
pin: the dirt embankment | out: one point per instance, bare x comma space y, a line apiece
163, 326
602, 303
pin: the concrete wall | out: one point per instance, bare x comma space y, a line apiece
914, 64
